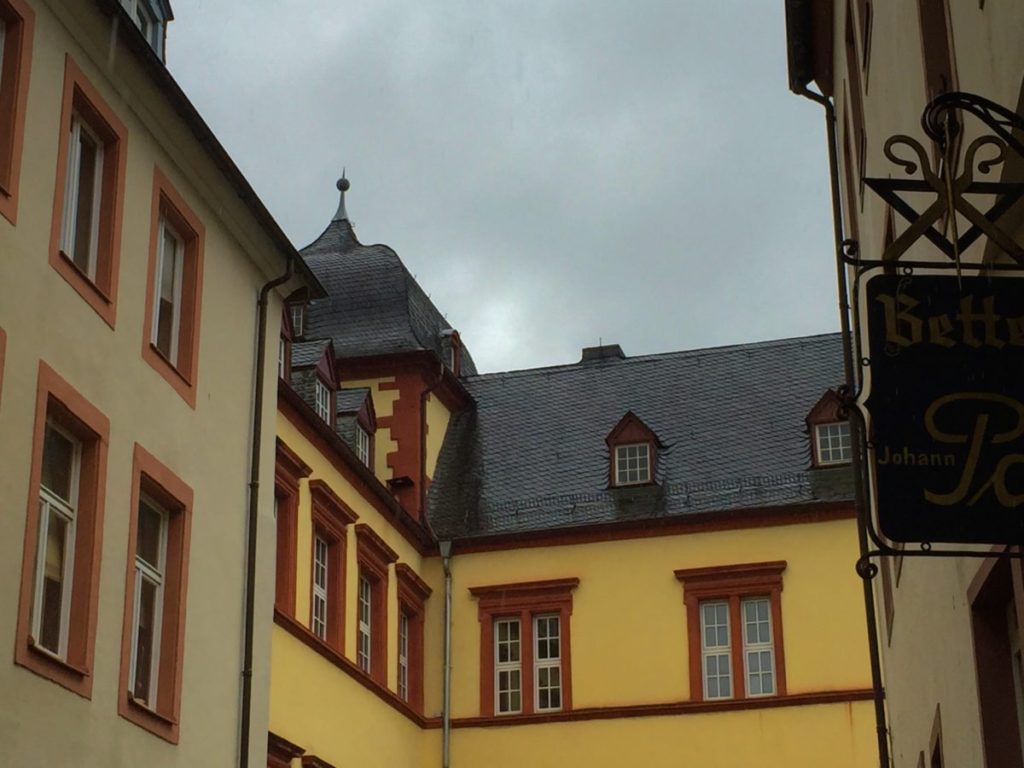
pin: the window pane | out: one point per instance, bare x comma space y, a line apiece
58, 464
168, 297
145, 638
53, 582
85, 219
148, 540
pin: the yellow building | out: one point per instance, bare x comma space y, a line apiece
949, 629
132, 258
621, 561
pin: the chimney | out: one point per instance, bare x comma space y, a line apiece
604, 352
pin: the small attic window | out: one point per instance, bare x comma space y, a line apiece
298, 316
363, 445
632, 464
829, 431
833, 443
149, 21
323, 401
632, 452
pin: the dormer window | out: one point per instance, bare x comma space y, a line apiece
452, 350
632, 464
298, 312
833, 443
363, 445
323, 401
829, 432
632, 452
150, 16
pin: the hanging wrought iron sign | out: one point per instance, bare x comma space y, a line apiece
943, 400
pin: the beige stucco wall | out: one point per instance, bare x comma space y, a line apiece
929, 659
208, 447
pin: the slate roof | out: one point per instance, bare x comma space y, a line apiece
532, 454
374, 305
351, 400
308, 352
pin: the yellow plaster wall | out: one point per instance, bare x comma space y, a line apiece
383, 406
819, 736
628, 626
438, 417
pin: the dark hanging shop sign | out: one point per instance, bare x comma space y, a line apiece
943, 399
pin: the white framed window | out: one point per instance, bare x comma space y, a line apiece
632, 464
282, 357
170, 261
55, 552
323, 401
547, 663
298, 319
365, 637
146, 21
716, 651
362, 445
150, 571
320, 575
83, 193
833, 442
403, 656
508, 667
758, 648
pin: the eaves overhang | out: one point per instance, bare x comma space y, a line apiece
182, 105
809, 44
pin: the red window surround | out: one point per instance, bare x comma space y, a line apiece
288, 472
19, 25
153, 478
732, 583
828, 410
330, 517
631, 430
523, 601
412, 594
58, 401
81, 98
182, 372
281, 752
374, 557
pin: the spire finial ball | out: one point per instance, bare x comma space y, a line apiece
343, 184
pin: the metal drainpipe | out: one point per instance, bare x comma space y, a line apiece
881, 728
446, 710
251, 522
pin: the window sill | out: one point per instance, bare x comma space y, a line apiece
157, 723
181, 383
42, 662
102, 301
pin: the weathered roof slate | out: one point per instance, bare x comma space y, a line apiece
374, 305
532, 454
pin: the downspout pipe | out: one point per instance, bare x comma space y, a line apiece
860, 502
446, 706
253, 512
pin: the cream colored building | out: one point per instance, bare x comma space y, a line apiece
949, 629
132, 257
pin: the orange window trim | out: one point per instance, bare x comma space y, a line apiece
289, 469
331, 516
58, 400
523, 601
20, 22
732, 583
155, 479
374, 556
412, 595
182, 373
82, 97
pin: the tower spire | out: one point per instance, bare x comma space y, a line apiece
343, 185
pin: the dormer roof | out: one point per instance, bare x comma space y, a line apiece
374, 306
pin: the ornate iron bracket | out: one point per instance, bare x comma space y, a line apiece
953, 191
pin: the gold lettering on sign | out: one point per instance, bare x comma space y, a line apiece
978, 404
973, 325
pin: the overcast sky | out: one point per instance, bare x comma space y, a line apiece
554, 172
